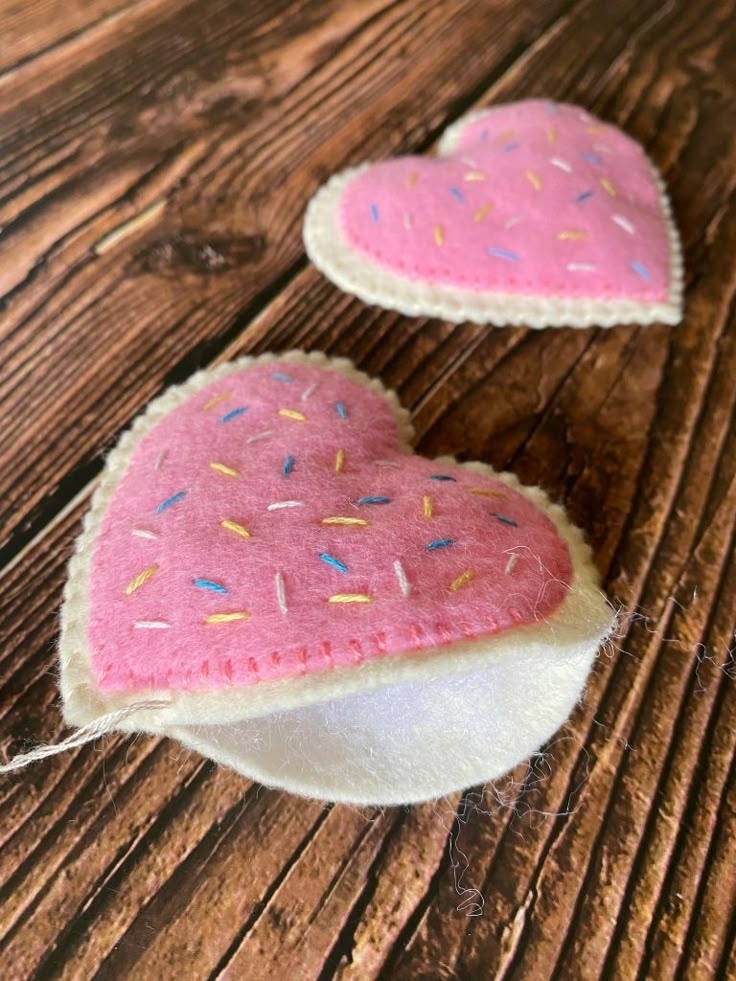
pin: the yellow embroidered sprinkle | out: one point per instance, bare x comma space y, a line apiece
221, 468
428, 506
215, 400
534, 179
505, 136
339, 461
350, 598
551, 135
608, 187
439, 234
485, 492
344, 521
462, 580
572, 235
475, 175
238, 529
227, 617
140, 579
485, 209
412, 179
293, 414
594, 130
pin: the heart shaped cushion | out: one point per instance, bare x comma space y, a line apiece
264, 541
532, 213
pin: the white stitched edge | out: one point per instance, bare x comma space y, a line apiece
583, 617
374, 284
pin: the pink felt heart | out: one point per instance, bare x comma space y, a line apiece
533, 212
266, 524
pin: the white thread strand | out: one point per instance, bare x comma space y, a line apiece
281, 593
624, 223
80, 737
401, 576
308, 391
562, 164
261, 435
143, 533
580, 266
151, 624
159, 460
277, 505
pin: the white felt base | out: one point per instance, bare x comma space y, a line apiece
408, 743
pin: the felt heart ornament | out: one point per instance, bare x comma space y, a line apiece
269, 574
532, 213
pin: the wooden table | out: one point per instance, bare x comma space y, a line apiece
157, 156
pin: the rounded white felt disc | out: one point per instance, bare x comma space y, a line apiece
409, 742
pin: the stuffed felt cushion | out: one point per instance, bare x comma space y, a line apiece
533, 212
265, 556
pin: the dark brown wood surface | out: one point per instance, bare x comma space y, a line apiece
156, 159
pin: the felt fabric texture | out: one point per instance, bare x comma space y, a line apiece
533, 211
264, 545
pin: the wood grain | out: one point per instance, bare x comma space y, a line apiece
157, 158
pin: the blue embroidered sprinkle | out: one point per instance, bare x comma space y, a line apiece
341, 410
510, 146
234, 413
335, 563
441, 543
457, 194
374, 500
441, 476
504, 254
583, 197
641, 271
289, 465
591, 157
214, 587
374, 212
279, 376
506, 521
164, 505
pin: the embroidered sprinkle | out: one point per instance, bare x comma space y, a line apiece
551, 135
581, 267
140, 579
624, 223
292, 414
428, 506
277, 505
344, 521
641, 270
215, 400
457, 194
591, 157
262, 435
341, 410
439, 234
404, 585
280, 376
170, 501
485, 492
572, 235
281, 593
374, 500
513, 559
561, 164
288, 465
308, 391
510, 147
227, 617
483, 211
222, 468
350, 598
608, 187
144, 533
235, 528
462, 580
534, 179
151, 624
583, 197
234, 413
505, 520
442, 476
335, 563
475, 175
412, 179
339, 461
441, 543
504, 254
213, 587
374, 212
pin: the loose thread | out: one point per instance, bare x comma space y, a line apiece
82, 736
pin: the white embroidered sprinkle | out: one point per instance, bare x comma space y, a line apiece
159, 460
142, 533
386, 463
277, 505
281, 593
401, 576
262, 435
514, 221
581, 266
624, 223
308, 391
513, 559
407, 220
556, 162
151, 624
